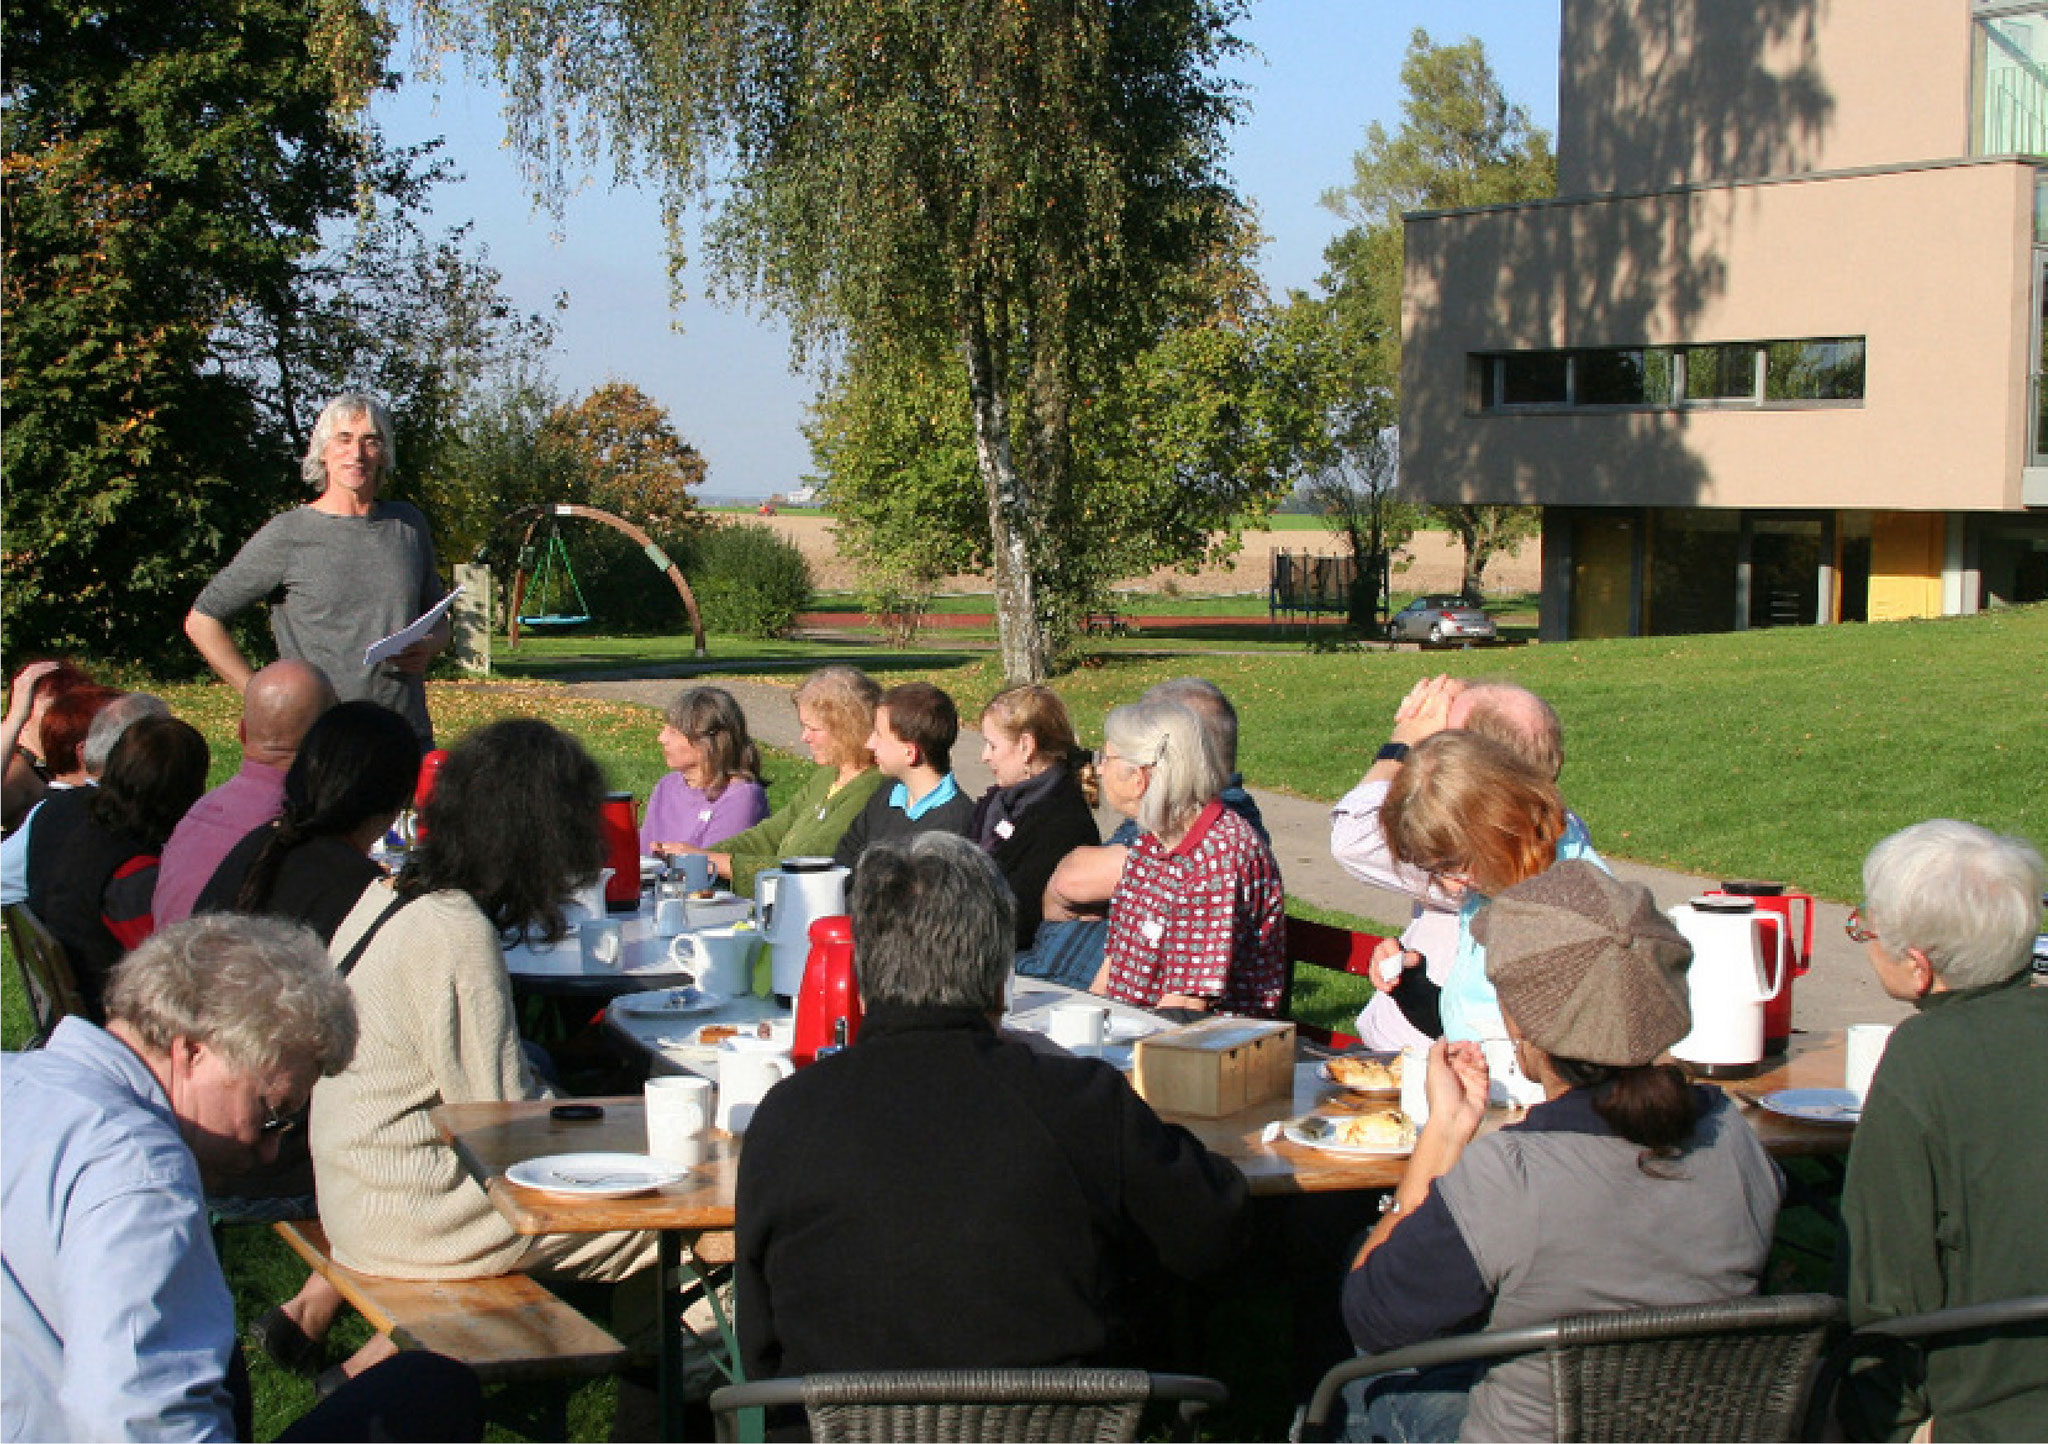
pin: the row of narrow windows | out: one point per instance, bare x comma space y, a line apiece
1741, 373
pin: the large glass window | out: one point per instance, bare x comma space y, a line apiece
2012, 78
1817, 372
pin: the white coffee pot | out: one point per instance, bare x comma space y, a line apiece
1738, 958
747, 1069
788, 899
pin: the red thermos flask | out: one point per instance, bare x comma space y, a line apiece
829, 992
622, 853
423, 790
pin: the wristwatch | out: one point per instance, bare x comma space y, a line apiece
1389, 1205
1391, 752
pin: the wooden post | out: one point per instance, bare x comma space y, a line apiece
471, 618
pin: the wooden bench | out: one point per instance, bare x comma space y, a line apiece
506, 1328
1324, 946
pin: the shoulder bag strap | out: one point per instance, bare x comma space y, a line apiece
355, 954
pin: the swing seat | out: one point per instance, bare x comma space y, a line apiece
555, 619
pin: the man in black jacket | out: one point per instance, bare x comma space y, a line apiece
940, 1196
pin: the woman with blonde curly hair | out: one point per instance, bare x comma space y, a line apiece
836, 706
1478, 819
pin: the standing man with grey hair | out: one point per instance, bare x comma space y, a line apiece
1948, 1170
341, 572
117, 1321
939, 1195
1402, 1011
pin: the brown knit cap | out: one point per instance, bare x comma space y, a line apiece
1587, 966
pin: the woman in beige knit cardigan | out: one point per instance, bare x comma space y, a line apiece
511, 831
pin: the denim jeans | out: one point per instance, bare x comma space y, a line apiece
1424, 1406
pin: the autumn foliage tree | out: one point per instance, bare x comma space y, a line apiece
629, 457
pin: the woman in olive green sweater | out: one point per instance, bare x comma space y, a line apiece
836, 706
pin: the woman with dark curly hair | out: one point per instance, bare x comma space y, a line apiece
354, 771
98, 900
511, 831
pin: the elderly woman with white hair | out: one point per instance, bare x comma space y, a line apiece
1197, 920
342, 572
1944, 1194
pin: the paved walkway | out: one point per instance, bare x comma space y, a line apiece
1838, 991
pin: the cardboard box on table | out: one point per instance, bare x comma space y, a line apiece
1215, 1067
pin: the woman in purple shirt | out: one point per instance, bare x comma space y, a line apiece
714, 789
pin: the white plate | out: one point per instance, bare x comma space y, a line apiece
1391, 1091
1299, 1131
595, 1175
667, 1003
1814, 1105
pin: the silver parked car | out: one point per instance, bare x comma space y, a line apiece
1440, 619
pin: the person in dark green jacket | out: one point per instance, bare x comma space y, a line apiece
836, 706
1949, 1169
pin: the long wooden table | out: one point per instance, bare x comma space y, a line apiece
491, 1137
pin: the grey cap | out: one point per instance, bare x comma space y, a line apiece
1587, 966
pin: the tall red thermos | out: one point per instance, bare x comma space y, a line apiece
622, 853
423, 790
1775, 901
829, 991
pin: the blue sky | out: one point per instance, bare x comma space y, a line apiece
1322, 71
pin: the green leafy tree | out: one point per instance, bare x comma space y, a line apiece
161, 162
633, 463
1031, 182
1461, 142
501, 458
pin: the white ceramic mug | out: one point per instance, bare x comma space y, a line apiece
1864, 1051
695, 868
671, 916
603, 945
1077, 1025
747, 1069
718, 960
679, 1113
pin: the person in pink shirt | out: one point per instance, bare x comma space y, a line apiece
279, 706
713, 790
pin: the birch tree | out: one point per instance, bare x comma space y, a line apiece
1032, 180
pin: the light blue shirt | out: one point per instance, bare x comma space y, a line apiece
1467, 1007
116, 1319
899, 797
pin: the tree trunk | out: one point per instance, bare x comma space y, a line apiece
1021, 639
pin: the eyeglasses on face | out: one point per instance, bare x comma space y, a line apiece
276, 1123
1857, 929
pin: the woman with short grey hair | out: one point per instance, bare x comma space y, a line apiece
1197, 920
1964, 898
1941, 1208
260, 992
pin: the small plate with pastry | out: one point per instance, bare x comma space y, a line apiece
1384, 1133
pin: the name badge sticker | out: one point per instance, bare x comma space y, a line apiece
1005, 829
1153, 930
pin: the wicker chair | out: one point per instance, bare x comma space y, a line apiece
1737, 1370
971, 1404
1905, 1340
46, 974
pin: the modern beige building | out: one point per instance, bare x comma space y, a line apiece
1773, 356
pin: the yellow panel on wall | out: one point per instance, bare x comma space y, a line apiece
1905, 564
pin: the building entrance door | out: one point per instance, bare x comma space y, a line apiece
1603, 572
